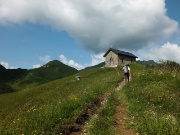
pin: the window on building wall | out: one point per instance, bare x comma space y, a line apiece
111, 61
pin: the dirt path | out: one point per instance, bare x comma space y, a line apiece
121, 116
92, 114
121, 120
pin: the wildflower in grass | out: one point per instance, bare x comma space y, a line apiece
171, 119
73, 97
151, 113
28, 111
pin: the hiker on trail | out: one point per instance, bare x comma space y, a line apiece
126, 70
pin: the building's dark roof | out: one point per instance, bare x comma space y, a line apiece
120, 52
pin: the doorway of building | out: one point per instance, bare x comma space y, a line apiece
111, 61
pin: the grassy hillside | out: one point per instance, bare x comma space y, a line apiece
48, 72
47, 108
106, 122
5, 88
7, 75
153, 100
23, 78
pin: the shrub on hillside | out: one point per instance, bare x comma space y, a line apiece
171, 65
5, 88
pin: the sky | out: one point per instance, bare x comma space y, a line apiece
79, 32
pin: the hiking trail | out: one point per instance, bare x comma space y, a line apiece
91, 113
121, 115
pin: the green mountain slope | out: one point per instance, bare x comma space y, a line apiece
23, 78
7, 75
48, 72
102, 64
151, 98
5, 88
44, 109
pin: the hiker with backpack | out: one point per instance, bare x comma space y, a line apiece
126, 70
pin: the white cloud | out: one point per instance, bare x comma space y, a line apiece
7, 66
45, 59
12, 67
36, 66
95, 59
63, 59
71, 63
168, 51
97, 24
75, 65
4, 64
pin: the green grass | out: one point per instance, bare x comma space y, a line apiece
5, 88
22, 78
45, 108
104, 125
153, 100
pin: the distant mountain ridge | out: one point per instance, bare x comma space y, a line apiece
23, 77
102, 64
95, 66
10, 74
51, 71
148, 62
2, 67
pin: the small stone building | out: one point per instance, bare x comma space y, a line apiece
114, 57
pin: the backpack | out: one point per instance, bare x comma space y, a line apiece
127, 69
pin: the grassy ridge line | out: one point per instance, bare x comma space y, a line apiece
43, 109
51, 71
20, 79
153, 100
